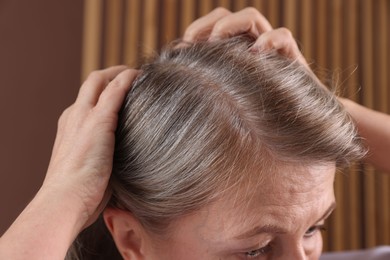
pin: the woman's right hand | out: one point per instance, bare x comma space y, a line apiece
78, 173
81, 161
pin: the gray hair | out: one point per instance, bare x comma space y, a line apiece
201, 118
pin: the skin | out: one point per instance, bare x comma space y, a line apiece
280, 218
65, 204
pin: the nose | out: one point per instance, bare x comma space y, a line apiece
298, 253
295, 252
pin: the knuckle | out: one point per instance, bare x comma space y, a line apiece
271, 43
188, 34
286, 33
252, 11
115, 83
95, 76
254, 15
63, 117
221, 11
123, 79
102, 117
219, 27
61, 120
67, 111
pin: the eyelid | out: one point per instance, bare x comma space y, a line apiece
315, 229
328, 213
320, 225
256, 246
260, 251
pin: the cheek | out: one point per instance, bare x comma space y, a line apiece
313, 246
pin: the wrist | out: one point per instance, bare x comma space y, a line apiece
65, 204
45, 229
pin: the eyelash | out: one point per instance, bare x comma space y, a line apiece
313, 230
258, 252
264, 250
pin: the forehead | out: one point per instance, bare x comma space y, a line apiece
292, 198
282, 185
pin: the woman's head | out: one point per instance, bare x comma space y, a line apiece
214, 141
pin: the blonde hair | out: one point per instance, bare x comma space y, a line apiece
200, 118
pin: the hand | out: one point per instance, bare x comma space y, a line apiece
81, 161
222, 24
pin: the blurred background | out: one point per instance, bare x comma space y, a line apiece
48, 47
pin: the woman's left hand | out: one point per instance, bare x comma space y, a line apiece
222, 24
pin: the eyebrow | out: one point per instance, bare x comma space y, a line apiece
272, 229
328, 211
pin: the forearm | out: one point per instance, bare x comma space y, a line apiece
78, 172
374, 127
44, 230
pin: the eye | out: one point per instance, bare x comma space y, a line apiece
258, 252
314, 229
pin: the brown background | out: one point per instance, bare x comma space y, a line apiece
40, 57
40, 54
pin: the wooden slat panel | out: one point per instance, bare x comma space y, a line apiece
322, 15
225, 3
353, 218
150, 27
338, 239
290, 15
239, 5
92, 36
368, 100
382, 81
351, 49
273, 12
132, 32
188, 14
113, 33
306, 25
205, 7
169, 20
354, 224
260, 5
382, 11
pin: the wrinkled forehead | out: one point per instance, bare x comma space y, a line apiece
281, 186
297, 178
289, 197
292, 199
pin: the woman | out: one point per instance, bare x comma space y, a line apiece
254, 144
219, 157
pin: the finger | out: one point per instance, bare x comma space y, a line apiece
282, 41
200, 29
248, 20
95, 83
111, 99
